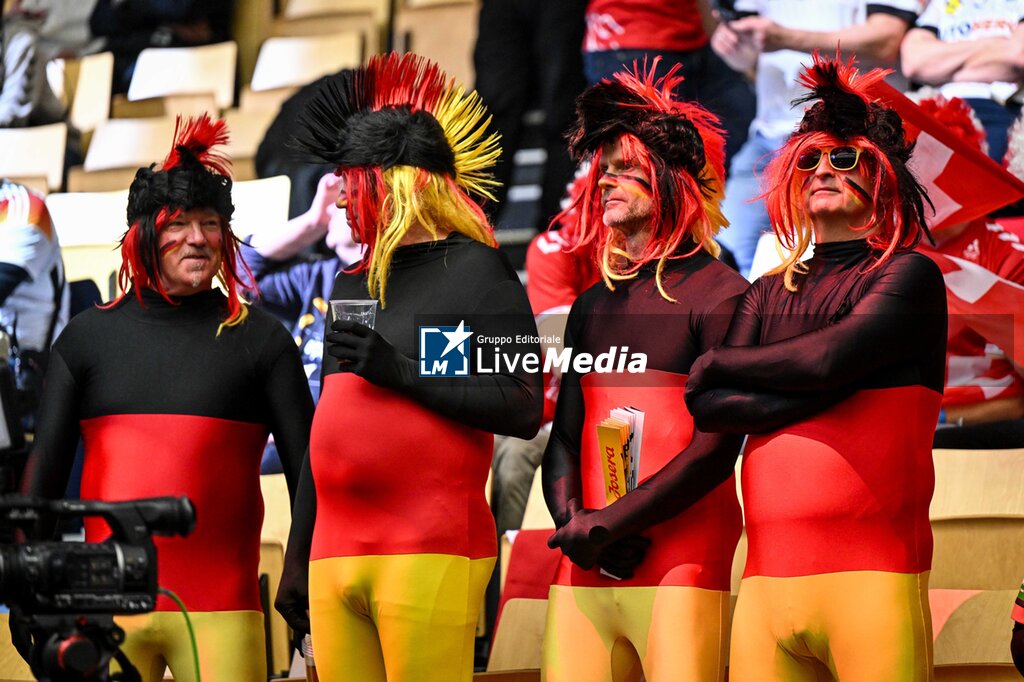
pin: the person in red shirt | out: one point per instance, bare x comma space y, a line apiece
984, 389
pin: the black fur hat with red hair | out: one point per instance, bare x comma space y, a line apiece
843, 108
193, 175
631, 103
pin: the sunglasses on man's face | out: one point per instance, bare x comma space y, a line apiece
840, 158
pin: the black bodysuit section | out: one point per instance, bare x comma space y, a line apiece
443, 283
790, 355
163, 358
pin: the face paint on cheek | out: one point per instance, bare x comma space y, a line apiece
172, 245
857, 192
635, 186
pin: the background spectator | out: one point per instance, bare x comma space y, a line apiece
527, 55
34, 299
975, 51
130, 26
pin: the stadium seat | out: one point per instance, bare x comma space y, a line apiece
285, 64
34, 156
186, 78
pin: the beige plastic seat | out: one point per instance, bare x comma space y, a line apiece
89, 226
247, 129
34, 156
277, 518
446, 33
119, 147
317, 17
187, 79
12, 667
285, 64
89, 94
435, 3
977, 515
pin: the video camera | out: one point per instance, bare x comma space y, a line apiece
66, 593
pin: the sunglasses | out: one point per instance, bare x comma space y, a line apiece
840, 158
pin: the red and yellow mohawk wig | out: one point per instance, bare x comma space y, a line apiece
680, 145
194, 175
411, 145
845, 114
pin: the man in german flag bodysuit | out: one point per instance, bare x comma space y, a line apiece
174, 388
643, 586
391, 530
834, 365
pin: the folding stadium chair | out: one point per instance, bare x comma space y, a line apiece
369, 18
34, 156
446, 33
186, 79
277, 517
285, 64
89, 226
88, 85
119, 147
260, 204
977, 516
247, 129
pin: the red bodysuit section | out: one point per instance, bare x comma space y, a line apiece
212, 461
393, 477
845, 490
693, 549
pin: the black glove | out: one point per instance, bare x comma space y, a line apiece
581, 538
622, 557
21, 637
292, 600
366, 353
1017, 647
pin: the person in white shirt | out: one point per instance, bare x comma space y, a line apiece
974, 51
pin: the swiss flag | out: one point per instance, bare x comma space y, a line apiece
987, 303
962, 182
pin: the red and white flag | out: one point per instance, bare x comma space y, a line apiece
962, 181
963, 184
985, 302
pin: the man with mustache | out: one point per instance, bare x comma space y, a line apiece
174, 388
835, 366
644, 581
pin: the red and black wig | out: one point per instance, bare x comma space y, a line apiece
845, 114
411, 145
192, 176
681, 148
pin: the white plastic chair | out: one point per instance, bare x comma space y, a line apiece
90, 104
295, 61
89, 226
172, 71
36, 152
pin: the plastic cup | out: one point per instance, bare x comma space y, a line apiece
307, 654
362, 310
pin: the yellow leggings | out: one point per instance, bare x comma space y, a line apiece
856, 626
615, 634
396, 618
231, 644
